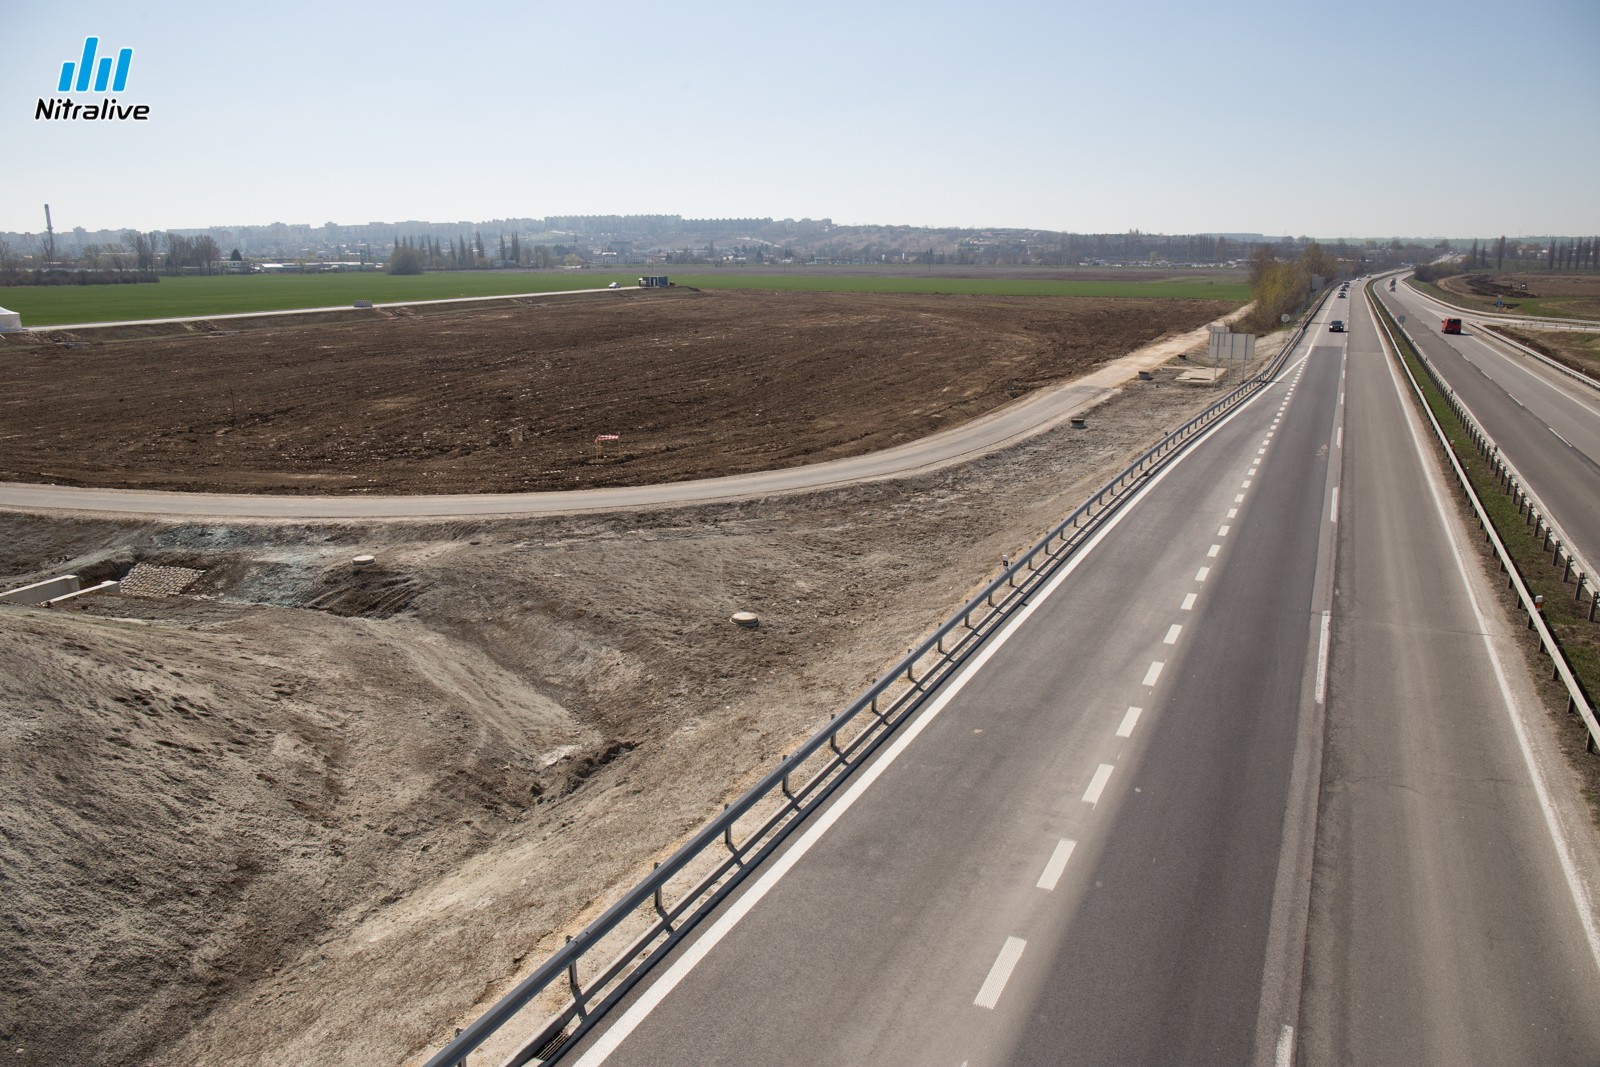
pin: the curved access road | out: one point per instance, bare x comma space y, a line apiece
1033, 414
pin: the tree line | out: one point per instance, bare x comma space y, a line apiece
413, 255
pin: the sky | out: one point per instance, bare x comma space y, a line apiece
1436, 118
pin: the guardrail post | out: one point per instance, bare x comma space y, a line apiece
577, 990
661, 906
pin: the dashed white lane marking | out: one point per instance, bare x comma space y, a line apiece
1097, 784
1333, 513
1057, 864
1211, 553
1188, 601
1338, 438
1285, 1051
1000, 973
1154, 672
1233, 513
1245, 484
1201, 574
1172, 634
1239, 499
1128, 720
1322, 658
1222, 531
1261, 451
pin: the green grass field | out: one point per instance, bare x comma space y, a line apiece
225, 294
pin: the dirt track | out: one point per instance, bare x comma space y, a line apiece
306, 814
511, 397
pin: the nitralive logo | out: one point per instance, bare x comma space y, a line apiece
76, 77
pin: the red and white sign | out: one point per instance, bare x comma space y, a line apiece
607, 437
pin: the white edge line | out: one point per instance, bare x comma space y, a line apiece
657, 991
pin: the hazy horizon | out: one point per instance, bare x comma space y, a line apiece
1360, 121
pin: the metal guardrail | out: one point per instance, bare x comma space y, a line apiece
658, 912
1517, 486
1577, 702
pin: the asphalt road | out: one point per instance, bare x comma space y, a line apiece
1045, 875
1097, 847
1546, 423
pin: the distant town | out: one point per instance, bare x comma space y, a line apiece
602, 241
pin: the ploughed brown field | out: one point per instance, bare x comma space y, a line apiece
511, 397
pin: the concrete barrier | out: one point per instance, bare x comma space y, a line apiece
40, 592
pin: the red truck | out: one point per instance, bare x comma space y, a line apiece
1452, 326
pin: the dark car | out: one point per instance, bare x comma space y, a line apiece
1336, 326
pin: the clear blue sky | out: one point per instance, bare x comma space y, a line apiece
1437, 118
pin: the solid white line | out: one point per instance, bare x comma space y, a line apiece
1200, 575
1128, 721
1057, 864
1211, 553
1154, 672
1188, 601
1322, 658
1333, 509
1000, 973
1097, 784
1172, 634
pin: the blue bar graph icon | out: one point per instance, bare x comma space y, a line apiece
102, 73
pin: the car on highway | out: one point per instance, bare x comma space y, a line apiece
1336, 326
